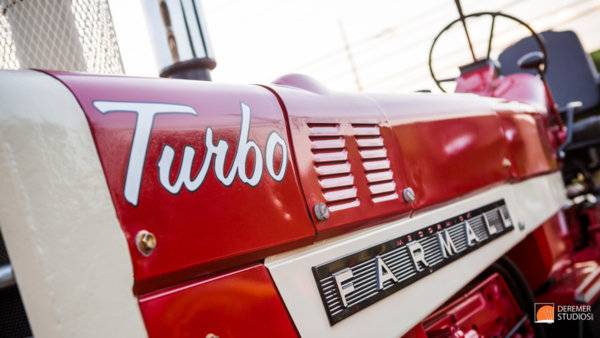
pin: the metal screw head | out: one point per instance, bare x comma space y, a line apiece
212, 335
145, 242
506, 163
409, 195
321, 211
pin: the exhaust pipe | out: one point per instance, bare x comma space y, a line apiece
180, 39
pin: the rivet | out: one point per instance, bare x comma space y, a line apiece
321, 211
506, 163
145, 242
212, 335
409, 195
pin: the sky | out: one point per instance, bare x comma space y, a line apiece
375, 45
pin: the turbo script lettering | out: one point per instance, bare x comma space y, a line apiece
146, 113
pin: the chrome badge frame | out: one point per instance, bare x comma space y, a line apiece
351, 283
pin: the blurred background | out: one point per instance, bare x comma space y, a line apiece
375, 45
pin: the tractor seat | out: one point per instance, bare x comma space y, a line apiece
586, 132
571, 75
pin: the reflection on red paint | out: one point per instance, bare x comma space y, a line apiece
243, 303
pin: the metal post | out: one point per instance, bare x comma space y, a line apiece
7, 278
180, 40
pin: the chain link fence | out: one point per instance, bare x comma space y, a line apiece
75, 35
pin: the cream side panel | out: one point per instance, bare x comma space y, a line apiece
529, 203
65, 243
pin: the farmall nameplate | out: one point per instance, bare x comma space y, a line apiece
354, 282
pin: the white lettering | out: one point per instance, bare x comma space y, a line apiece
506, 221
137, 156
384, 273
244, 146
418, 255
472, 237
272, 142
219, 151
446, 244
341, 277
139, 146
491, 229
185, 173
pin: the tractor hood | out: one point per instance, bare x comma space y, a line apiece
366, 155
225, 175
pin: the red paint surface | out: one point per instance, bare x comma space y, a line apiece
307, 112
541, 252
555, 252
550, 254
244, 303
524, 88
484, 81
214, 227
529, 148
531, 139
487, 310
568, 279
447, 157
450, 158
443, 146
477, 80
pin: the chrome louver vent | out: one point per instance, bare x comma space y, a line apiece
330, 157
375, 162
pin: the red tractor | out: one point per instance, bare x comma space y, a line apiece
135, 207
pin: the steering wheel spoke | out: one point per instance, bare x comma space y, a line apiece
491, 38
448, 79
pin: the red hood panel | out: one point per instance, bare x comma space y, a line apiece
358, 153
347, 158
223, 205
451, 145
210, 171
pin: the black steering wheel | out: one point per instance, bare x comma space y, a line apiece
538, 39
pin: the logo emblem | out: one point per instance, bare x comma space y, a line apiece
544, 313
215, 152
351, 283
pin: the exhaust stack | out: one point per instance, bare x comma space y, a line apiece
179, 36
